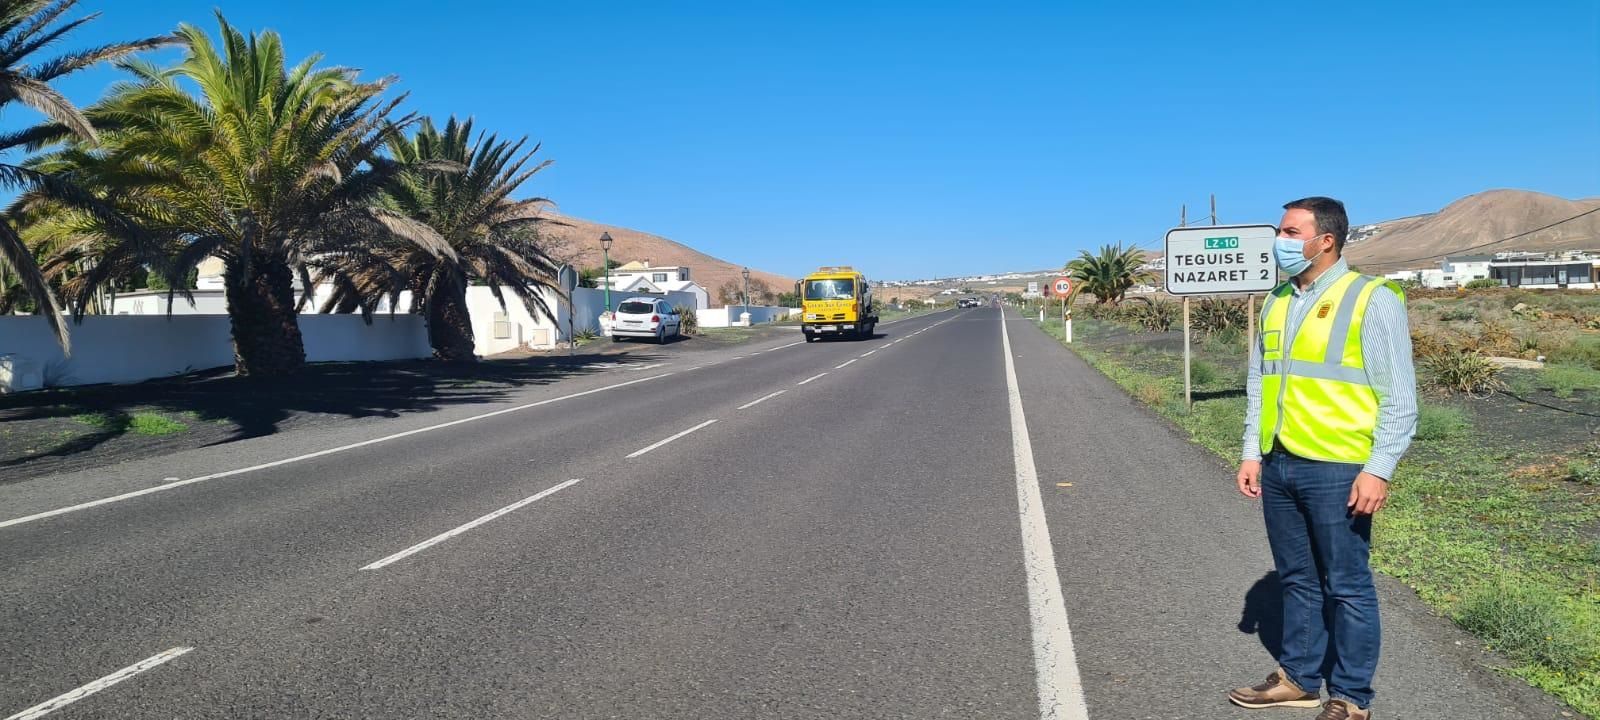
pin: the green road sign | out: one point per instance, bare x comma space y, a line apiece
1222, 243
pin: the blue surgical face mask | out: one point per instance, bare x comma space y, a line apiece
1290, 254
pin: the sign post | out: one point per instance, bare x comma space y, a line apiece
1063, 288
1218, 260
567, 276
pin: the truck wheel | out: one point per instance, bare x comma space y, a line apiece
810, 337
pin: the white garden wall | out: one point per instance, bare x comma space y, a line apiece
729, 316
130, 348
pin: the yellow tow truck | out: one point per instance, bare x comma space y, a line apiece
836, 300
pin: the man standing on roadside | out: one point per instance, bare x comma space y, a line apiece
1332, 407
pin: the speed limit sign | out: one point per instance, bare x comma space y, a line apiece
1062, 286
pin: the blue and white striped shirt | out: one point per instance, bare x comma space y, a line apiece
1386, 353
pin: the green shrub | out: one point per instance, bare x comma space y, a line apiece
1585, 469
1213, 315
1482, 284
1460, 370
153, 424
1202, 373
1151, 315
141, 423
1580, 350
1529, 623
1459, 314
1441, 422
690, 318
1565, 380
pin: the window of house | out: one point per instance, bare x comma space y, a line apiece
502, 326
658, 277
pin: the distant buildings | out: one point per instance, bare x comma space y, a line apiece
1574, 269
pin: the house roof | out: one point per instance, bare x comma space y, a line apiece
630, 283
681, 286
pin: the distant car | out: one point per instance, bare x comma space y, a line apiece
646, 317
967, 303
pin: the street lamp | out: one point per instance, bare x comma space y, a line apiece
746, 275
605, 251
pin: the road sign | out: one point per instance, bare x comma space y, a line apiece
1221, 259
1062, 287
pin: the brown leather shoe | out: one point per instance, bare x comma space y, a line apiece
1277, 691
1341, 710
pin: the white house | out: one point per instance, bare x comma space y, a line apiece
1576, 270
1462, 269
670, 278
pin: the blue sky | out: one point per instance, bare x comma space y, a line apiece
938, 138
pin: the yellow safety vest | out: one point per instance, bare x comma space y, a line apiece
1316, 399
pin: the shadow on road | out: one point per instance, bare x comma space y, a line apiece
56, 430
1263, 617
1263, 613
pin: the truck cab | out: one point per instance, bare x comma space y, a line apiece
836, 301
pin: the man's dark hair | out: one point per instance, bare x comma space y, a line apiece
1329, 216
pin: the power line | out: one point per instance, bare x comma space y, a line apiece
1484, 245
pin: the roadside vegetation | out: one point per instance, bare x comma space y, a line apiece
1495, 514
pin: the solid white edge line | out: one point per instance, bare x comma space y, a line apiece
637, 453
61, 701
1055, 663
780, 347
761, 399
310, 456
847, 362
809, 379
435, 540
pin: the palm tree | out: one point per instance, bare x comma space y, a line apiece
1109, 275
26, 27
466, 199
269, 168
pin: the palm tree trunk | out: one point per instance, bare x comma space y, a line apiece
266, 329
449, 323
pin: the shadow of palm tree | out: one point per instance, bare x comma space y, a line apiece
237, 408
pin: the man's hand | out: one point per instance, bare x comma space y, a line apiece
1250, 478
1367, 494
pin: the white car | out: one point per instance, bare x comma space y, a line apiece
646, 317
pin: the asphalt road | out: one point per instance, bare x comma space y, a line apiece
778, 530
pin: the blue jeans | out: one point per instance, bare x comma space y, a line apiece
1321, 550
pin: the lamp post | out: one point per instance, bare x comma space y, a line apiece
746, 274
605, 251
